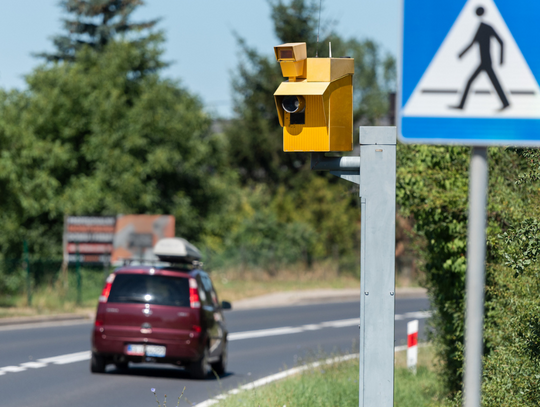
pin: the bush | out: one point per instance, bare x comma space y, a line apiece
432, 190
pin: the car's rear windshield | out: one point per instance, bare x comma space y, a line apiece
147, 289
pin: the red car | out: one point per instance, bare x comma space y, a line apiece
160, 315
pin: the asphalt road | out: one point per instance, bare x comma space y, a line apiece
49, 366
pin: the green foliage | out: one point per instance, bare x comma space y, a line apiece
511, 368
522, 245
95, 24
12, 280
105, 135
433, 189
296, 21
268, 230
531, 171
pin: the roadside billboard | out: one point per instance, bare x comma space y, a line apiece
136, 235
91, 237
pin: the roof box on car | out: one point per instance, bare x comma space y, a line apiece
176, 250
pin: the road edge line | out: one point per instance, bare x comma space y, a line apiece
286, 373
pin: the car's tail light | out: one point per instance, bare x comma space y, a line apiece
194, 299
197, 328
107, 288
99, 321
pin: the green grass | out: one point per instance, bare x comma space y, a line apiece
422, 390
337, 385
234, 284
57, 297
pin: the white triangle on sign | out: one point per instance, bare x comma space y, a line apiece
442, 86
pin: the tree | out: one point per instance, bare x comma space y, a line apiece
99, 136
95, 23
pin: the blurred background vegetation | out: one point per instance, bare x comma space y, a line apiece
100, 131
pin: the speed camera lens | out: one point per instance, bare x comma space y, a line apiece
293, 104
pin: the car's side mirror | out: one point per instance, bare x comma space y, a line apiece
226, 305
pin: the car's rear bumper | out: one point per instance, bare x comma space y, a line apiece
176, 349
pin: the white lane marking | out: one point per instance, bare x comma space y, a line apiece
261, 333
69, 358
414, 315
342, 323
56, 360
33, 365
235, 336
12, 369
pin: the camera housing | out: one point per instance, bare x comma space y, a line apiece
315, 104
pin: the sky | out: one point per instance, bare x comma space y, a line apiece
199, 37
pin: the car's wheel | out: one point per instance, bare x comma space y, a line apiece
97, 363
220, 367
200, 368
121, 365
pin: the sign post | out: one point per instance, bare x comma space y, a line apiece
476, 254
377, 265
469, 75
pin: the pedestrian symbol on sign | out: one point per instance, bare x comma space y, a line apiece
483, 39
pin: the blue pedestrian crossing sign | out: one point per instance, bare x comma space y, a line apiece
470, 72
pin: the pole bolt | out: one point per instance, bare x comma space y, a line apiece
367, 293
391, 293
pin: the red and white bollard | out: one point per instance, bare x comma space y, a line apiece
412, 345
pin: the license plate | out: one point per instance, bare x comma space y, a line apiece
155, 351
135, 350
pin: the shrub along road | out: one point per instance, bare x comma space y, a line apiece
48, 366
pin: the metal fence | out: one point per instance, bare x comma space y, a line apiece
24, 276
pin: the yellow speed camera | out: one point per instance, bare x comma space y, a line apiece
314, 105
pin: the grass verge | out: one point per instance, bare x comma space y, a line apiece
237, 284
57, 297
337, 385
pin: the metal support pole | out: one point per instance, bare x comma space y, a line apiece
28, 277
375, 172
78, 273
347, 168
476, 254
377, 262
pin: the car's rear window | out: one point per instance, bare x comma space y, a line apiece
142, 288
